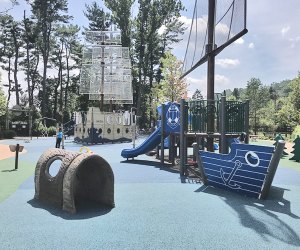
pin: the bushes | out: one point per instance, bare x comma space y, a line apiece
296, 132
7, 134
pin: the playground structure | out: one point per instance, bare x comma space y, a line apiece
80, 177
187, 123
106, 77
102, 127
247, 169
169, 124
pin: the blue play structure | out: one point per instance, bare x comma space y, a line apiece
150, 143
170, 117
247, 169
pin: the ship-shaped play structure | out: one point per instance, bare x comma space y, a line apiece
247, 169
106, 77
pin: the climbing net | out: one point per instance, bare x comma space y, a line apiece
106, 68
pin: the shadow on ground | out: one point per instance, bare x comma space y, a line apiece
166, 167
85, 209
262, 216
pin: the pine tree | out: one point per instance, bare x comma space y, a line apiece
197, 95
296, 150
47, 14
278, 138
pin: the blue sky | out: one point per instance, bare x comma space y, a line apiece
269, 51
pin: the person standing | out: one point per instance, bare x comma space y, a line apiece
59, 137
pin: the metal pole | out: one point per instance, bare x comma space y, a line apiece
63, 138
162, 128
102, 79
133, 125
182, 136
17, 156
246, 124
210, 71
223, 142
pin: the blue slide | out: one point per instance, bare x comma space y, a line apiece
150, 143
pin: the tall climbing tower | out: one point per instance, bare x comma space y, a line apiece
105, 76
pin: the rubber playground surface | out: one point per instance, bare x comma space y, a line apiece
155, 208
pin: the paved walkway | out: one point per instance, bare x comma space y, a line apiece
155, 209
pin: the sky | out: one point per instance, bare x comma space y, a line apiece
269, 51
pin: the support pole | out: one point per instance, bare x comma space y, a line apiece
247, 121
162, 134
210, 71
183, 125
102, 79
172, 149
223, 142
272, 169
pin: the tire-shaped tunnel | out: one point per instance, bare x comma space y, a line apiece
80, 177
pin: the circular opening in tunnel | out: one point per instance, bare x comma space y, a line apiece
54, 167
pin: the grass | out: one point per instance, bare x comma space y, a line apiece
11, 179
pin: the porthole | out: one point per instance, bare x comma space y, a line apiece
252, 159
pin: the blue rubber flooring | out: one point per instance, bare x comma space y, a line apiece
155, 209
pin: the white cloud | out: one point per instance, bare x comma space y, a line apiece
251, 46
194, 84
284, 30
161, 30
239, 41
227, 63
222, 29
221, 83
185, 20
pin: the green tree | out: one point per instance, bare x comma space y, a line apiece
99, 20
47, 13
7, 52
258, 96
295, 93
197, 95
32, 57
121, 14
61, 60
16, 32
286, 115
296, 150
2, 102
148, 43
171, 88
236, 93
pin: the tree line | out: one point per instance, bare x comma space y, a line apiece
272, 108
40, 53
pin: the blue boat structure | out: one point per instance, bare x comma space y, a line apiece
247, 169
